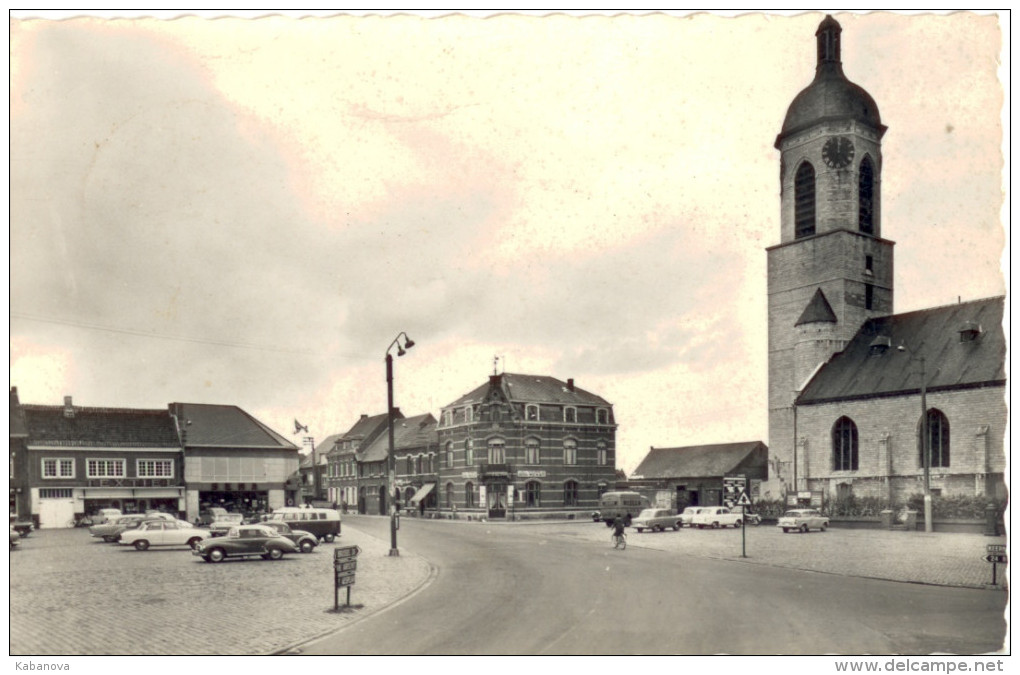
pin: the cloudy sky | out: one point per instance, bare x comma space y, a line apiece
248, 212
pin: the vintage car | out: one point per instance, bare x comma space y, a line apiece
745, 511
656, 520
715, 517
106, 515
14, 538
112, 530
244, 541
159, 532
687, 517
803, 520
305, 541
222, 525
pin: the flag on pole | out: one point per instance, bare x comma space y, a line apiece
298, 427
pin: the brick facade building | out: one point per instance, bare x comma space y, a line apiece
524, 445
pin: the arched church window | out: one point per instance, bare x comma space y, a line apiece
844, 445
866, 197
804, 201
938, 439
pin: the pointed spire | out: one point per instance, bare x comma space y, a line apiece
818, 310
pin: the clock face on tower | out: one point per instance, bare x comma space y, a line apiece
838, 152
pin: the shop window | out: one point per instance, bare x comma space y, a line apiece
570, 493
533, 493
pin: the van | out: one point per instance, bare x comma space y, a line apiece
626, 505
322, 523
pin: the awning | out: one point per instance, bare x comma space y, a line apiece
422, 492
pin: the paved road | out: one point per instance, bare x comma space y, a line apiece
533, 590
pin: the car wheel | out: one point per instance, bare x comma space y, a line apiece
141, 545
676, 526
804, 528
822, 528
641, 529
193, 542
609, 523
715, 526
274, 554
307, 546
216, 555
108, 539
737, 524
786, 530
328, 538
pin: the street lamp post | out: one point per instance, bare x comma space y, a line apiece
391, 463
925, 443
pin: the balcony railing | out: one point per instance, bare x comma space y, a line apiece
493, 470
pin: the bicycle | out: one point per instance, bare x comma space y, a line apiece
83, 521
620, 541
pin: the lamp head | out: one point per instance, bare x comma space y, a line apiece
408, 342
400, 351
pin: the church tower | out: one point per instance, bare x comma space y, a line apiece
831, 270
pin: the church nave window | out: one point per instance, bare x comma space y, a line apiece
844, 445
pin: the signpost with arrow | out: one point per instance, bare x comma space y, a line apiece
745, 501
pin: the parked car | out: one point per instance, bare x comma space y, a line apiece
244, 541
211, 514
162, 533
687, 517
803, 520
221, 526
111, 531
715, 517
305, 541
106, 515
322, 523
656, 520
749, 518
14, 538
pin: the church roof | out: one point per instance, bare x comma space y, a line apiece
962, 346
695, 461
830, 96
817, 310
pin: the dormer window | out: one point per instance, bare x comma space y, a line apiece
880, 345
602, 416
531, 413
570, 415
970, 331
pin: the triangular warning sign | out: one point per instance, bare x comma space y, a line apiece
743, 500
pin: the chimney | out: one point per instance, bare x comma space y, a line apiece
364, 416
570, 384
68, 407
495, 380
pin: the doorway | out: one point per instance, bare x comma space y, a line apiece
495, 495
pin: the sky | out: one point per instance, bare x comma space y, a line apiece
248, 212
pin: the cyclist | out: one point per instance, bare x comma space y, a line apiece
618, 527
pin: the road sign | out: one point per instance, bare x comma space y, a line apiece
345, 552
996, 548
995, 558
744, 500
346, 566
343, 579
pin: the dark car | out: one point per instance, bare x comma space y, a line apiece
305, 541
245, 541
110, 531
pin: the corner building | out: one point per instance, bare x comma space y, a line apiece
523, 446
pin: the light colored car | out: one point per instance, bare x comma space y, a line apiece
244, 541
106, 515
715, 517
112, 530
745, 511
803, 520
222, 525
656, 520
687, 517
162, 533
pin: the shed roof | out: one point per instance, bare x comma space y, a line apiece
695, 461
